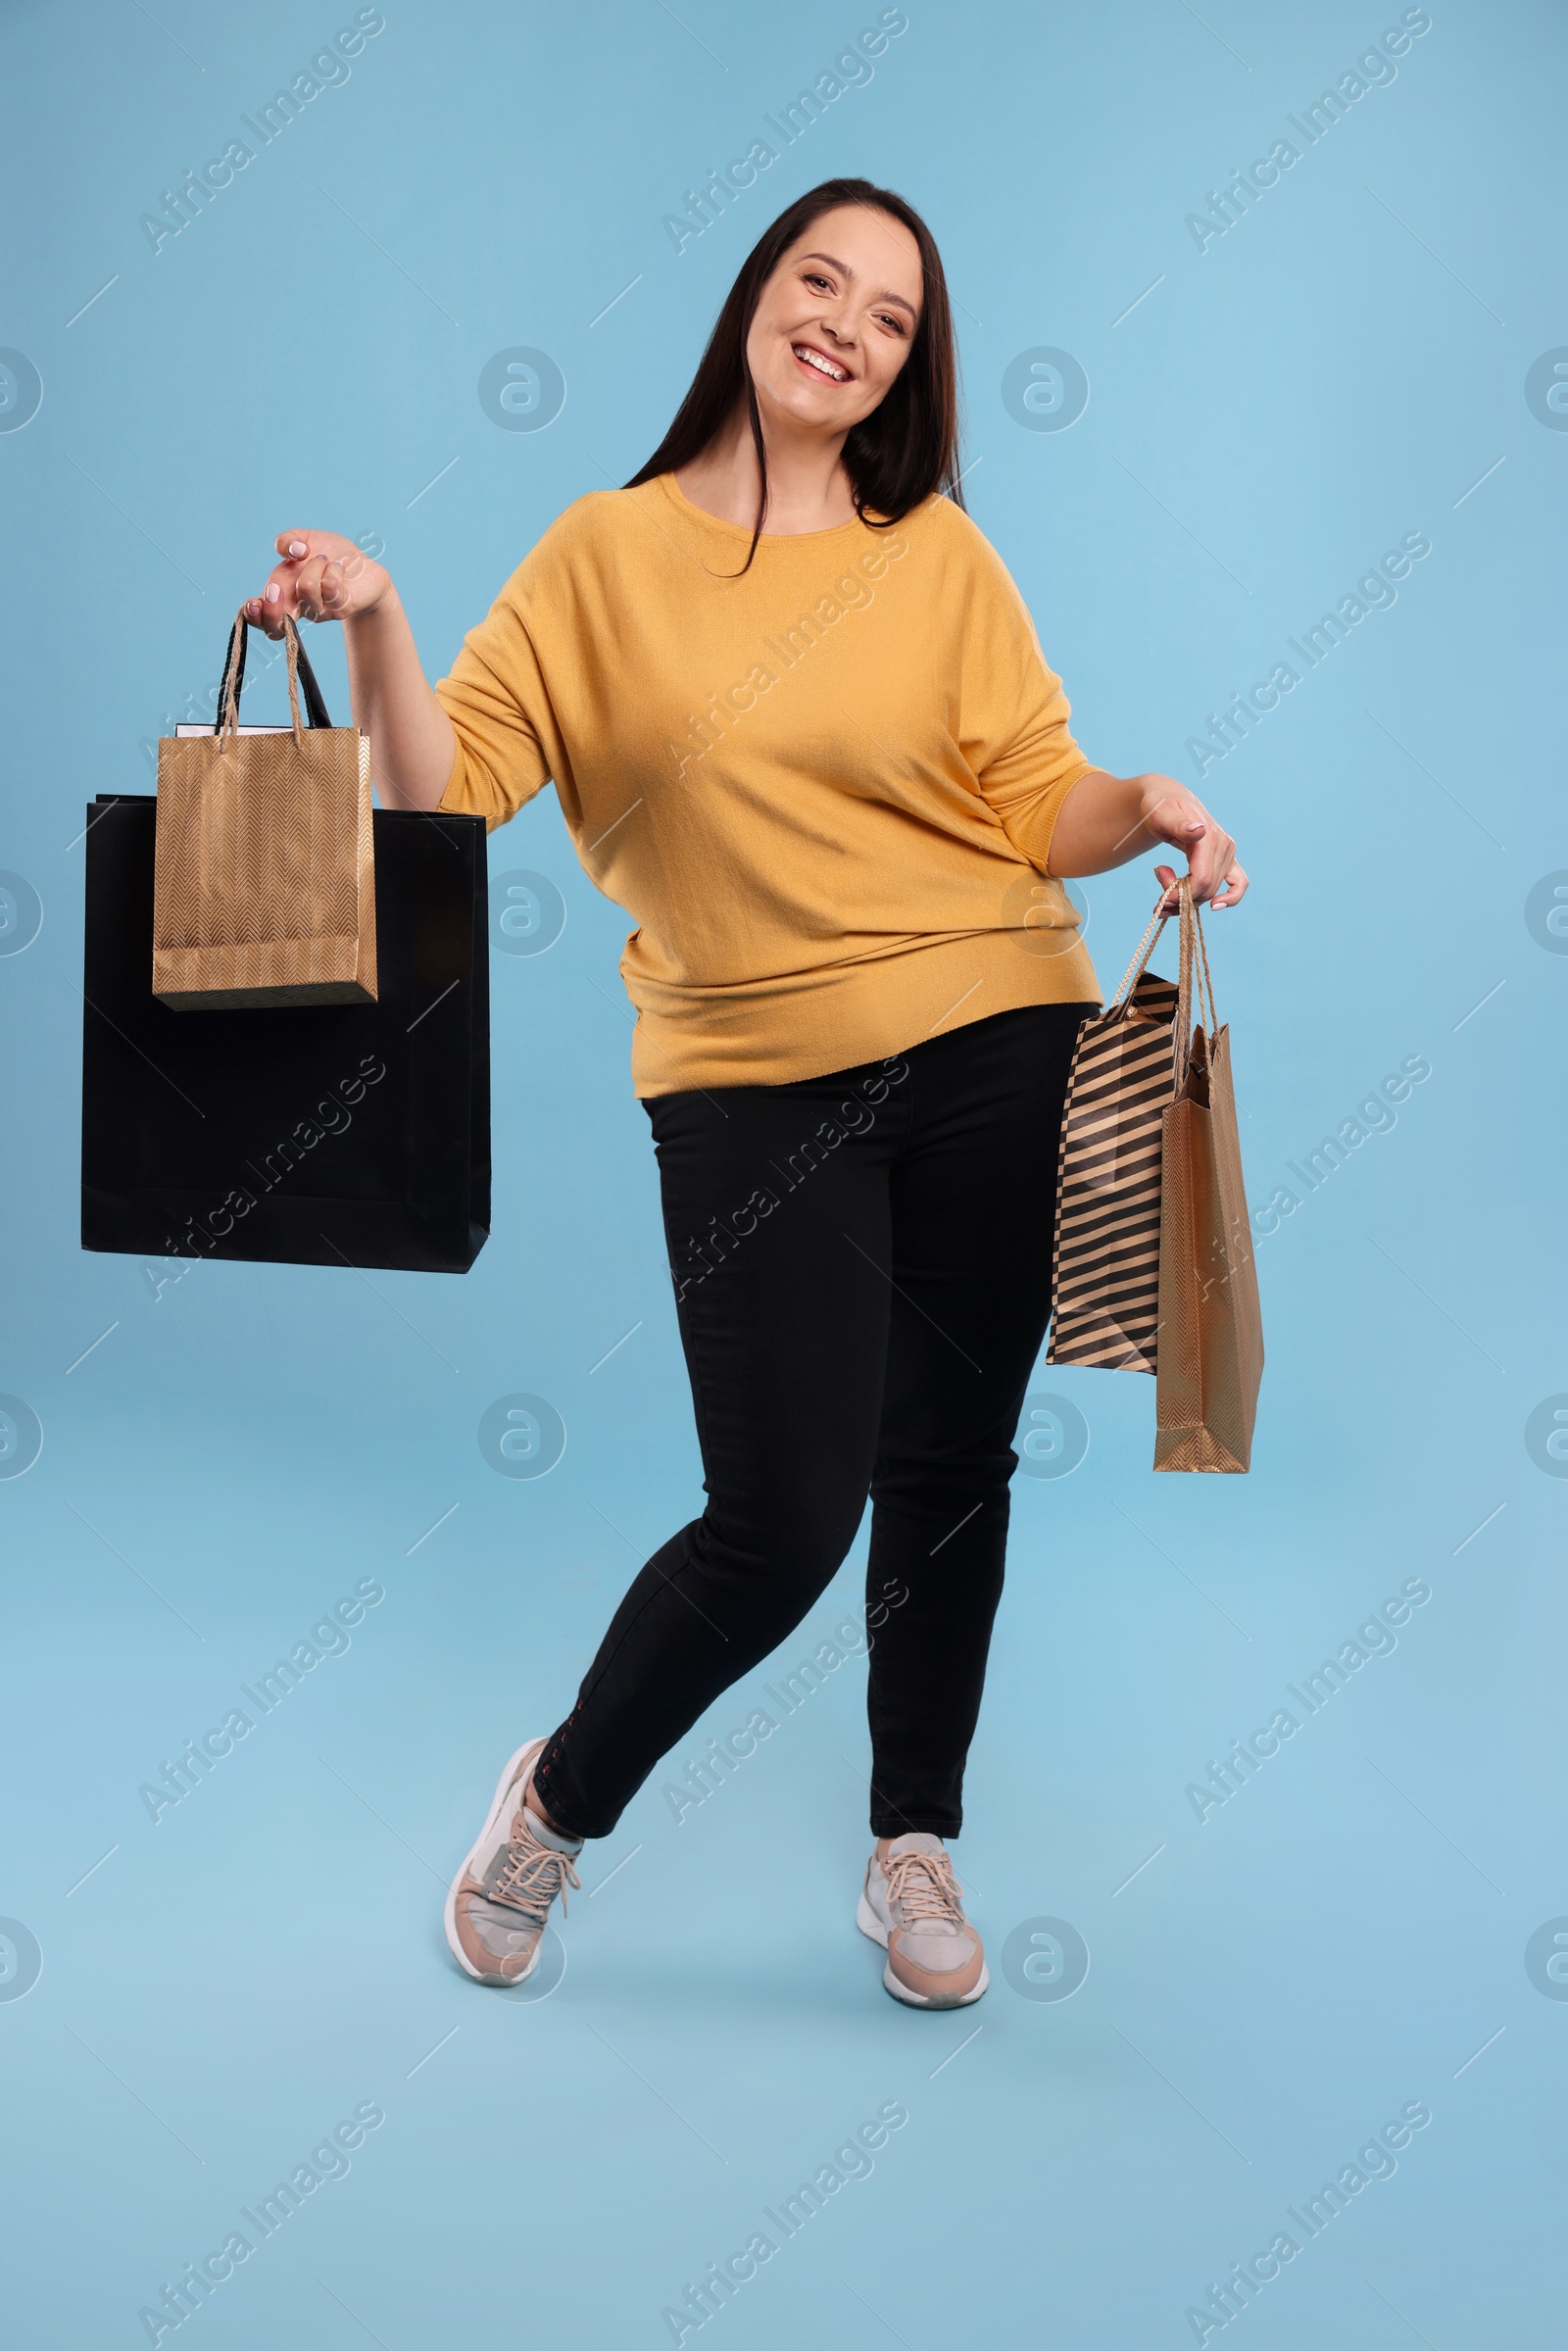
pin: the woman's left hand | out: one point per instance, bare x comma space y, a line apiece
1171, 813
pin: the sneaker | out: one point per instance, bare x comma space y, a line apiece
911, 1906
499, 1902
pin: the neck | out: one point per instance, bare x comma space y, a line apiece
807, 487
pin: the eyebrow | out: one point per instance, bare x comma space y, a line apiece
844, 270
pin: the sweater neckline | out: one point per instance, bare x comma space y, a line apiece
741, 532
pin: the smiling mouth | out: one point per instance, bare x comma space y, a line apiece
820, 364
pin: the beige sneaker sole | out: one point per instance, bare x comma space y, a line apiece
516, 1768
867, 1920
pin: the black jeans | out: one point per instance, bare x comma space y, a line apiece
862, 1276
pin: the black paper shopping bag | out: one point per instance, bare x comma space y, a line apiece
352, 1134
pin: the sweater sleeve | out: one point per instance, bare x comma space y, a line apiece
1015, 715
496, 698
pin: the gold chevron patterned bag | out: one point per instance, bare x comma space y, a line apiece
1210, 1327
263, 882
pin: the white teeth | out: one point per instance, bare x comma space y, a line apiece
823, 366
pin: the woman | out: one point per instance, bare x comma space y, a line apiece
825, 768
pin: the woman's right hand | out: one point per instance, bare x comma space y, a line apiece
323, 577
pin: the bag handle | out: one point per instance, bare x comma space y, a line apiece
300, 673
1195, 982
1194, 975
1141, 955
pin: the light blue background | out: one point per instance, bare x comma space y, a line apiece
1340, 368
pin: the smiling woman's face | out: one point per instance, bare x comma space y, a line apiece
836, 319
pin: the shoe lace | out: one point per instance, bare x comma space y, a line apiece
924, 1886
533, 1874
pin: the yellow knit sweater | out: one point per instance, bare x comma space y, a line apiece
824, 791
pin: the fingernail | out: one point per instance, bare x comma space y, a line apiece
273, 591
296, 547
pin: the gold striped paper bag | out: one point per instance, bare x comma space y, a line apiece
1107, 1251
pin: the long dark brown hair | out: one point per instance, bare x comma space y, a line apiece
908, 445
